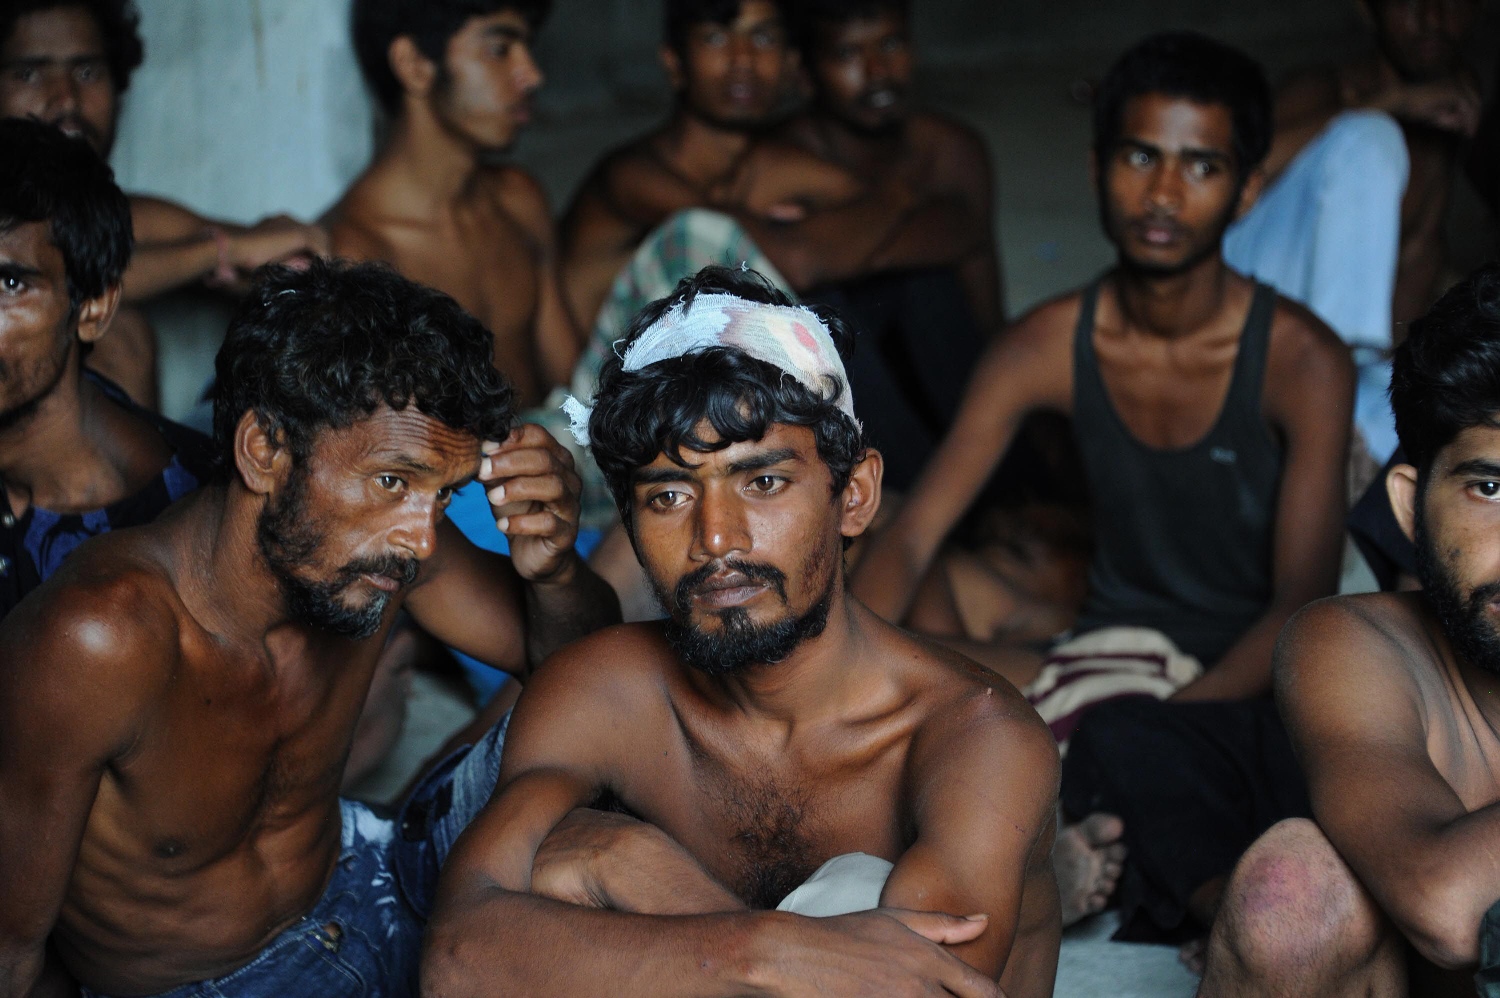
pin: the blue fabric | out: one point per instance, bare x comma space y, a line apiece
470, 513
1326, 233
363, 939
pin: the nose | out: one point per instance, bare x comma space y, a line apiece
721, 528
416, 533
741, 52
1165, 189
528, 74
61, 94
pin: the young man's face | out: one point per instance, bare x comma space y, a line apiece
1456, 529
743, 547
483, 92
1169, 187
863, 71
735, 74
347, 531
1424, 39
53, 68
37, 325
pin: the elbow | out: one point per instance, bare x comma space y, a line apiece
450, 967
1442, 921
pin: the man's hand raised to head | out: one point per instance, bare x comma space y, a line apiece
534, 497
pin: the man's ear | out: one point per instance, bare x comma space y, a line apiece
413, 70
1401, 490
671, 61
261, 457
861, 497
95, 315
1250, 193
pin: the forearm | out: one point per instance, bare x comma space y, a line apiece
1245, 670
575, 604
158, 268
650, 874
492, 941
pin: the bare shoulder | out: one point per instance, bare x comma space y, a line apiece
1372, 642
521, 196
974, 718
103, 632
627, 665
1306, 354
355, 230
1051, 323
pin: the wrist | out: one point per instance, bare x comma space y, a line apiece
223, 271
564, 575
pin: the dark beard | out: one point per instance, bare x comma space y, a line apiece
289, 539
1463, 617
739, 643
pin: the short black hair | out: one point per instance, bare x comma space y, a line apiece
814, 16
641, 414
430, 24
119, 26
1445, 376
1193, 67
45, 176
323, 347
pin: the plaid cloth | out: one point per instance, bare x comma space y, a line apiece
683, 245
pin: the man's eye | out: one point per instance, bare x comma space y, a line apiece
891, 45
1488, 489
716, 39
12, 285
666, 500
85, 73
445, 496
766, 483
1202, 169
1138, 157
765, 39
390, 483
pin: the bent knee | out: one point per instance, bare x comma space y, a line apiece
1369, 142
1294, 903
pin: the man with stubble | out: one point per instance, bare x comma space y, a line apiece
781, 745
178, 701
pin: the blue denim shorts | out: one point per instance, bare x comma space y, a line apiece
363, 939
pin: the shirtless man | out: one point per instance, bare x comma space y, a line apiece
177, 702
859, 53
1212, 416
1416, 73
731, 68
770, 725
77, 458
455, 79
68, 62
1392, 703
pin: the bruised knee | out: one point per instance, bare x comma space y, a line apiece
1294, 904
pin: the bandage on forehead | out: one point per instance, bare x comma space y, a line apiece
788, 337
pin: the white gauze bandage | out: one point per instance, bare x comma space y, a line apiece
789, 337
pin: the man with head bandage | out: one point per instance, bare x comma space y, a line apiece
773, 743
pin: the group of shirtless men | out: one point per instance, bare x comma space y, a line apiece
774, 788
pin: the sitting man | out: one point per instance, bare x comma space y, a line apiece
1362, 164
1213, 422
67, 62
1389, 698
455, 78
775, 726
178, 700
77, 458
731, 69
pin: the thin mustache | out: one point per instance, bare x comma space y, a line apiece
693, 581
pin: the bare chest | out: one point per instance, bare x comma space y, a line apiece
762, 827
1463, 744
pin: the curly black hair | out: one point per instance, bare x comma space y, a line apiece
1194, 67
45, 176
640, 414
428, 23
119, 26
1445, 376
326, 346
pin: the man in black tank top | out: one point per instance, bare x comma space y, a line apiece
1213, 419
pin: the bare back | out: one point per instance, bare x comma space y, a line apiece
213, 768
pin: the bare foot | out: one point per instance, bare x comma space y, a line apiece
1194, 954
1087, 858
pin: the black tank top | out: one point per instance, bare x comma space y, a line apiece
1182, 538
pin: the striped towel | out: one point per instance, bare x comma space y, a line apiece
1102, 665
